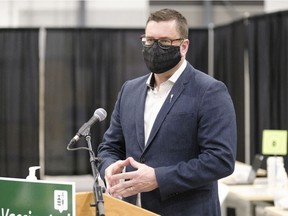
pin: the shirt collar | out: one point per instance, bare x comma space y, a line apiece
151, 79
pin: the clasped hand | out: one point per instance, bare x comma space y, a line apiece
124, 184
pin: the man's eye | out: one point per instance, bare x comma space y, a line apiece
165, 42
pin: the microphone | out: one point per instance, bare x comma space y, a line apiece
98, 116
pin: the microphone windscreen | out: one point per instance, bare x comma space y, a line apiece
100, 114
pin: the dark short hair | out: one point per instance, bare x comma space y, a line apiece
168, 15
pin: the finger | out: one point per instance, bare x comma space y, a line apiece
128, 192
122, 163
134, 163
112, 170
125, 162
107, 186
115, 168
108, 174
122, 190
123, 176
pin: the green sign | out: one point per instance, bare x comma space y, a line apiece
20, 197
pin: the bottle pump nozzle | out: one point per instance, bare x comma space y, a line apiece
32, 171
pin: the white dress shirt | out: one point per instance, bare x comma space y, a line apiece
156, 97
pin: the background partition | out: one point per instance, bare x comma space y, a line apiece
19, 101
229, 47
267, 41
198, 49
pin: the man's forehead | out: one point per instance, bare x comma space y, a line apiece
161, 29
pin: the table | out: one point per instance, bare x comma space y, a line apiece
274, 211
245, 199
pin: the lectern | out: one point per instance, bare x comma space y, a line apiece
113, 206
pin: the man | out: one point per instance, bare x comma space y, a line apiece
173, 130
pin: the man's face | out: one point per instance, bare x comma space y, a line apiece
166, 30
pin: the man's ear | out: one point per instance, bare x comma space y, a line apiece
184, 47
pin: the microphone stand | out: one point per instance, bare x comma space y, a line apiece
97, 189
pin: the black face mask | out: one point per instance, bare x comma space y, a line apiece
160, 60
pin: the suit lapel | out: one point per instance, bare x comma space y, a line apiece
168, 104
139, 115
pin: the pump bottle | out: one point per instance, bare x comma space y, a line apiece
32, 175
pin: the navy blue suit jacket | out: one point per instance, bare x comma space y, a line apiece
192, 143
